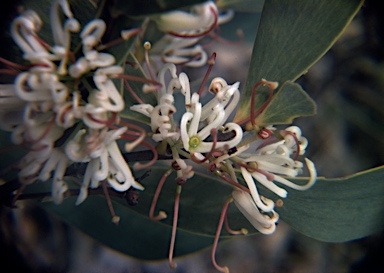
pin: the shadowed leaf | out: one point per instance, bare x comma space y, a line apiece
290, 102
291, 37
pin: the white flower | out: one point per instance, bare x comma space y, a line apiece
104, 158
201, 18
272, 161
264, 223
193, 138
184, 31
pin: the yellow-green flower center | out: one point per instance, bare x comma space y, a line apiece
194, 142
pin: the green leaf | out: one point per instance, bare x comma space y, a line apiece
338, 210
292, 36
290, 102
135, 235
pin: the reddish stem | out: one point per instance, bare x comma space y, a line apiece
174, 227
234, 183
262, 108
284, 133
115, 218
44, 134
268, 175
211, 62
138, 165
133, 93
107, 122
217, 236
137, 79
14, 65
156, 197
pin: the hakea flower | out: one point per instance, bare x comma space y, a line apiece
272, 161
42, 106
193, 139
202, 18
185, 30
105, 161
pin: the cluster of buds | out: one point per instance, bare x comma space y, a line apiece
199, 135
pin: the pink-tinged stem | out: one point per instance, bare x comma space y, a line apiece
243, 231
147, 47
8, 148
42, 42
234, 183
43, 135
137, 79
115, 219
211, 62
174, 227
268, 175
14, 65
133, 93
9, 72
262, 108
284, 133
139, 165
162, 214
201, 34
118, 40
106, 122
220, 39
134, 126
217, 236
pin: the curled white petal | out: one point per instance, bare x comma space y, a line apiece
261, 222
268, 205
310, 183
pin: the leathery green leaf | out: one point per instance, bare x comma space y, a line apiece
290, 102
338, 210
291, 37
135, 235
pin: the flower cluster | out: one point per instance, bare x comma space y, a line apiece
46, 99
44, 106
